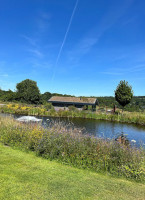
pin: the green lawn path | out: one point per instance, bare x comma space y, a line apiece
25, 176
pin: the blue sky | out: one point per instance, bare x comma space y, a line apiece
78, 47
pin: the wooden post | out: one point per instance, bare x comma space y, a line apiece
114, 108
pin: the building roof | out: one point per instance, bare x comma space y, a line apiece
80, 100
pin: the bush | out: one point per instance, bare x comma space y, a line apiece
72, 108
48, 106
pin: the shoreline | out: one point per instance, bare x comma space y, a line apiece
136, 118
103, 117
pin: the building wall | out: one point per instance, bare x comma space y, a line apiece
67, 105
64, 105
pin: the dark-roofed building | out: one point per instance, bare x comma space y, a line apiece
78, 102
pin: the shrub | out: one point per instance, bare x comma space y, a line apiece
48, 106
72, 108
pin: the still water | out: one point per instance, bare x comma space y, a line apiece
100, 128
105, 129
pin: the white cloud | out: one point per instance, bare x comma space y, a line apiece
41, 65
36, 53
125, 70
81, 48
137, 68
93, 36
30, 40
43, 21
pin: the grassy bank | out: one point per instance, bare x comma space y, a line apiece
47, 110
69, 146
25, 176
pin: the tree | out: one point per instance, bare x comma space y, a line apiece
8, 95
123, 93
45, 97
28, 92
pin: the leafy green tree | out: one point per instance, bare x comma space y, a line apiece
28, 92
123, 93
45, 97
8, 96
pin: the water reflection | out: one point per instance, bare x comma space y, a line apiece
99, 128
106, 129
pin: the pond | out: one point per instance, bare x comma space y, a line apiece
100, 128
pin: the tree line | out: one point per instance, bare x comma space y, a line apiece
28, 92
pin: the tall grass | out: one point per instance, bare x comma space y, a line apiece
68, 145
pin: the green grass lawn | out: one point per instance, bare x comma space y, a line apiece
25, 176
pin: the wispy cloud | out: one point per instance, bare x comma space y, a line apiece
125, 70
93, 36
32, 46
43, 21
86, 44
30, 40
81, 48
45, 16
120, 57
137, 68
36, 52
41, 65
129, 21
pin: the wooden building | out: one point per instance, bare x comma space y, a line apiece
78, 102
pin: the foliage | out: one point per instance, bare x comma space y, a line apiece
72, 108
48, 106
137, 103
7, 95
84, 107
45, 97
24, 109
28, 92
123, 93
68, 145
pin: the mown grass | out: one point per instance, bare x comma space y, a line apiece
47, 110
24, 176
69, 146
